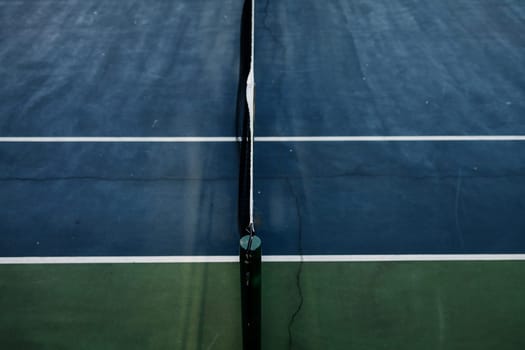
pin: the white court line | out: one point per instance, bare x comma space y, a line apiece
117, 259
390, 138
182, 139
400, 257
203, 139
265, 258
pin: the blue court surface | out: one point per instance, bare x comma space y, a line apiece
95, 69
383, 127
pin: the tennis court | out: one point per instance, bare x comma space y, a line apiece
388, 188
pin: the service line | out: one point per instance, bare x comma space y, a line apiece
205, 139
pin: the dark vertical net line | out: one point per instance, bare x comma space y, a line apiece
250, 245
244, 125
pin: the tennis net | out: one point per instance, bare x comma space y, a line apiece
250, 244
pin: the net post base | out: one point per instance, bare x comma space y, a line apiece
250, 268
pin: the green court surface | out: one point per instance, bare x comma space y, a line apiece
372, 305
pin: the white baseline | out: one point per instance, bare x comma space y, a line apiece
265, 258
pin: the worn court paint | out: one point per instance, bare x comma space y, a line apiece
390, 67
100, 68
